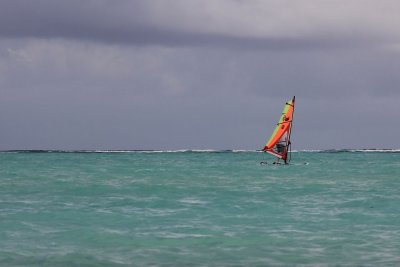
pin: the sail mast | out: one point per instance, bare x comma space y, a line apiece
288, 142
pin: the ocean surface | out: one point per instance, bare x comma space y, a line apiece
199, 208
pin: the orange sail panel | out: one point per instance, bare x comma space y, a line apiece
279, 141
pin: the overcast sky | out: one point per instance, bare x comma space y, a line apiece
198, 74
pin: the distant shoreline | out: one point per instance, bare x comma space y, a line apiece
199, 151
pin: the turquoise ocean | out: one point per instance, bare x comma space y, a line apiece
199, 208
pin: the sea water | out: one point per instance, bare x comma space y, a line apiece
188, 208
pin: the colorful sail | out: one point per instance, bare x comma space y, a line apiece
278, 144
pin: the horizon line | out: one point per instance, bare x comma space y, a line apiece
190, 150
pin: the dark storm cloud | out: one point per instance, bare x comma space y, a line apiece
141, 23
107, 74
69, 19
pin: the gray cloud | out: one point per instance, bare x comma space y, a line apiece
259, 24
198, 74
